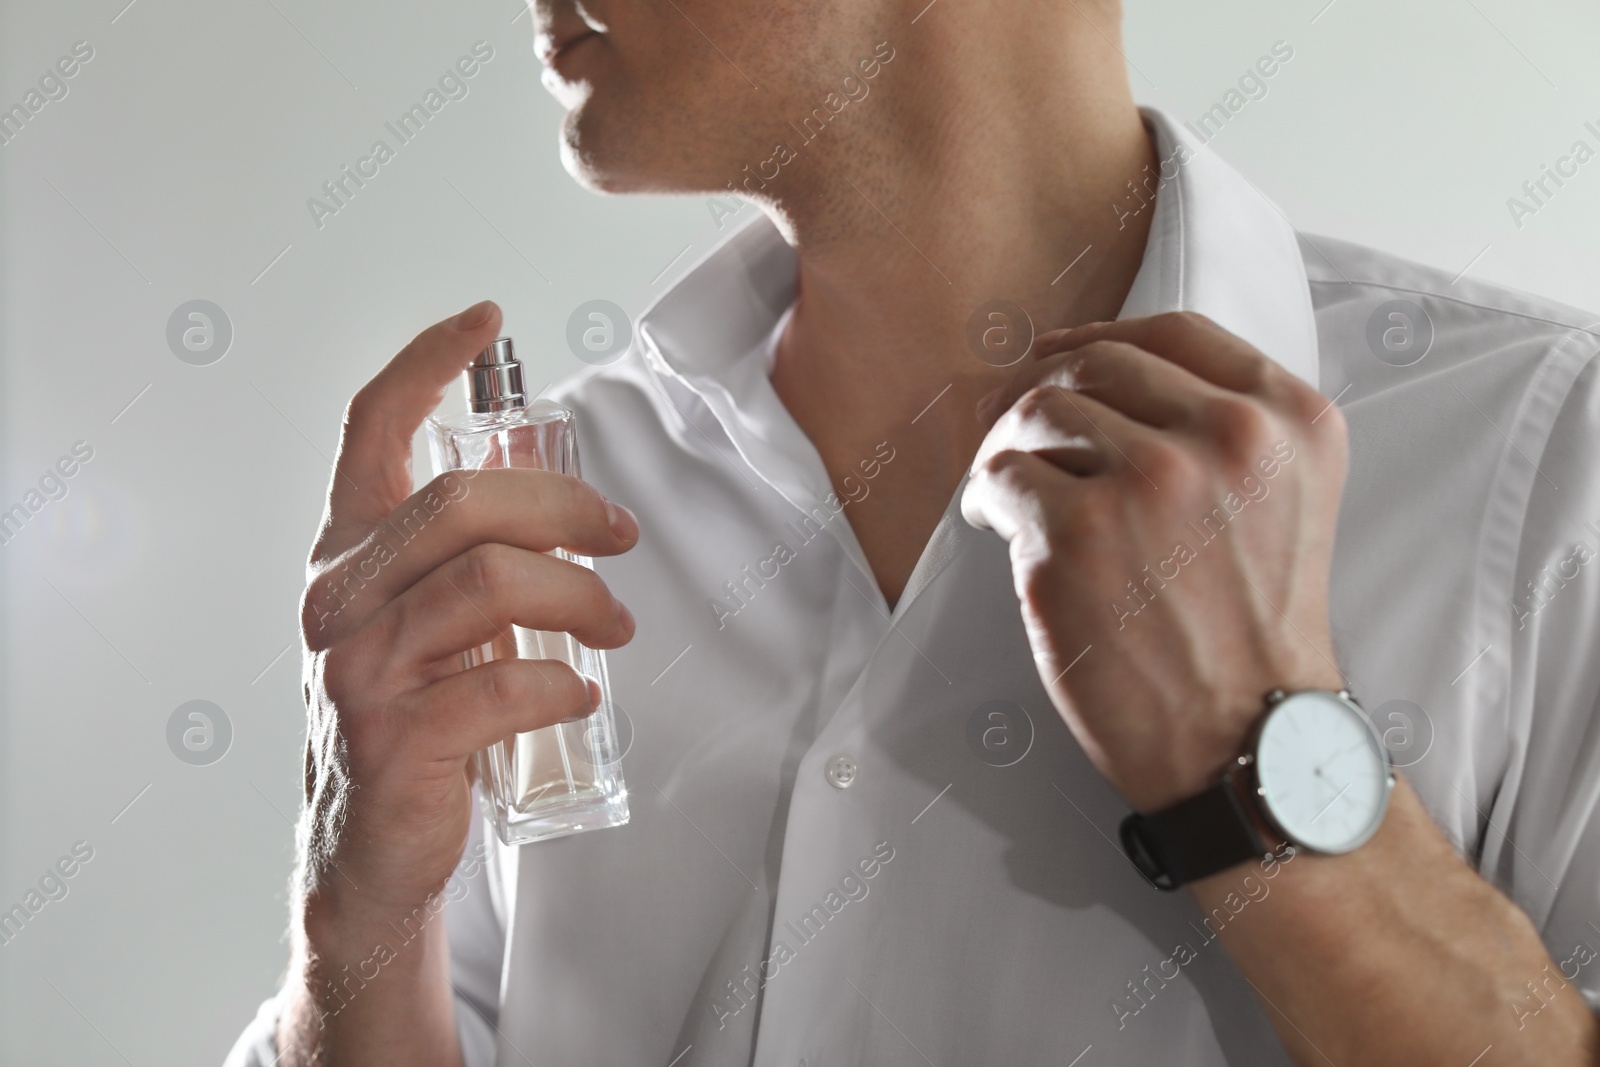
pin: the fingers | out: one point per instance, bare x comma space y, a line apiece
1137, 383
1078, 433
1049, 442
1233, 369
534, 510
460, 714
1185, 339
1018, 493
373, 471
479, 595
1042, 423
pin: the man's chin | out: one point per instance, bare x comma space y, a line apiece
605, 158
584, 158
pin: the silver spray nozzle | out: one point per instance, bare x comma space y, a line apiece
494, 379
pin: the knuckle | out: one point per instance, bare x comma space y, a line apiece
319, 607
361, 406
587, 500
312, 622
519, 685
1241, 428
1037, 404
449, 485
1094, 362
484, 569
368, 412
1035, 582
1186, 321
506, 686
1035, 555
1304, 403
1002, 470
567, 496
1257, 375
594, 593
1096, 354
1165, 463
334, 673
434, 502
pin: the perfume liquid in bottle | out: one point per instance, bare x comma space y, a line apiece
564, 778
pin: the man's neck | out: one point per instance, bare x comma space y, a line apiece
976, 179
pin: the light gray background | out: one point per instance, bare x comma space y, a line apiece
178, 168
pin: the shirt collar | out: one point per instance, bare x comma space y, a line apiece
1217, 246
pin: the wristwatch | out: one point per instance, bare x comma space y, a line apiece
1314, 773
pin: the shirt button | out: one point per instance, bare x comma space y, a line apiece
842, 771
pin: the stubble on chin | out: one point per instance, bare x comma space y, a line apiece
645, 146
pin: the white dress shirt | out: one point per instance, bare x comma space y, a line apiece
825, 863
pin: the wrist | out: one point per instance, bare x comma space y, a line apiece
368, 985
1312, 774
338, 922
1160, 782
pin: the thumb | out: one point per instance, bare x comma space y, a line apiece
372, 473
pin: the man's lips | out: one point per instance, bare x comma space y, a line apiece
553, 46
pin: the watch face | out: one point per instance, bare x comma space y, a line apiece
1323, 771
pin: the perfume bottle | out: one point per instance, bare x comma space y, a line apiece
565, 778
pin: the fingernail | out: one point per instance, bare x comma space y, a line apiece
474, 316
579, 714
623, 522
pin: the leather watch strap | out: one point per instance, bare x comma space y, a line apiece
1192, 839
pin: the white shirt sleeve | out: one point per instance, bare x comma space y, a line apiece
257, 1047
477, 946
1548, 806
475, 919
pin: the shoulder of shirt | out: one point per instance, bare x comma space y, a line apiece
1530, 360
1487, 339
632, 392
1339, 270
629, 377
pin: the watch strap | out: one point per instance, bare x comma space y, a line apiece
1193, 838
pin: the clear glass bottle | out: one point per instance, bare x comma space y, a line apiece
566, 778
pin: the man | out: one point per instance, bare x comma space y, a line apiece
876, 806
